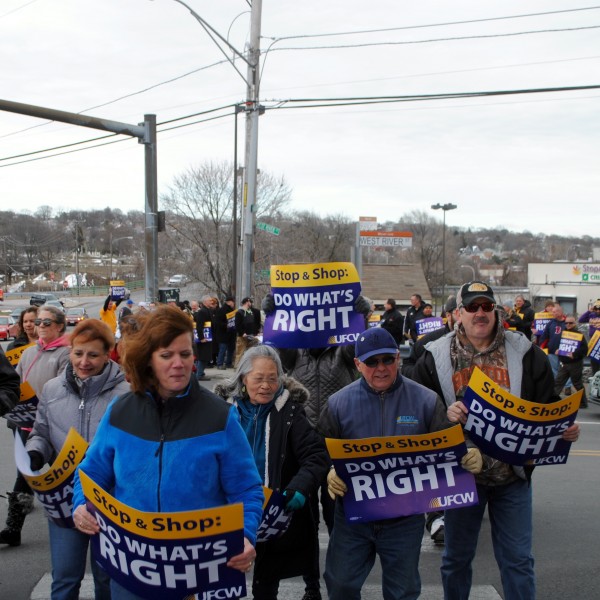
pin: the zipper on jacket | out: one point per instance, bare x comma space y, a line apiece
382, 404
159, 454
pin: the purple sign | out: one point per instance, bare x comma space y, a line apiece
425, 326
275, 520
393, 477
314, 306
516, 431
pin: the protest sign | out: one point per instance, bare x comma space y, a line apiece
54, 488
540, 320
275, 520
167, 556
427, 325
117, 289
516, 431
23, 414
230, 316
391, 477
570, 342
314, 306
374, 321
594, 346
14, 355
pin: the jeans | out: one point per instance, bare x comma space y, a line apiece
200, 368
120, 593
68, 550
354, 546
226, 354
509, 509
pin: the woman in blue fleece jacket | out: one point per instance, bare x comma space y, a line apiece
170, 445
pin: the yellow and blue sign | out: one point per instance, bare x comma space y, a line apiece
314, 306
391, 477
516, 431
167, 556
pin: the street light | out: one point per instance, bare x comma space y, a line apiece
445, 208
127, 237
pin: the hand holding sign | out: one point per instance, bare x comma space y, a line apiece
472, 461
457, 413
244, 561
335, 486
85, 521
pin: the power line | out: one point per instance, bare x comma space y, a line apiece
425, 26
299, 103
434, 40
442, 96
124, 97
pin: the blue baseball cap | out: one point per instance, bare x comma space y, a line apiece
374, 341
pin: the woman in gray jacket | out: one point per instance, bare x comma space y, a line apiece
77, 398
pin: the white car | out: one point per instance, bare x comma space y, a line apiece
179, 280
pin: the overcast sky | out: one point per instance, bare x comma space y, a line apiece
525, 162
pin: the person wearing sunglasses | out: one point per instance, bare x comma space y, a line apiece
381, 403
517, 365
592, 317
38, 364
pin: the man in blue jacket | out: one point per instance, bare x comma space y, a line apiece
381, 403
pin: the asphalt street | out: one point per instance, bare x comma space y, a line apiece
566, 531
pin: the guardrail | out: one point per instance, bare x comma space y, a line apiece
96, 290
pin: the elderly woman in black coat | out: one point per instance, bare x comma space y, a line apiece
290, 456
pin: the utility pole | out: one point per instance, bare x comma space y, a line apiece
251, 162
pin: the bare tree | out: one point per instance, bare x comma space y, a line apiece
427, 243
200, 224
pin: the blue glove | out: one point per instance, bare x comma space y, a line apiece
293, 500
362, 305
268, 304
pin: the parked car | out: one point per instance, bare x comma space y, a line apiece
179, 280
56, 303
4, 327
39, 299
13, 319
75, 315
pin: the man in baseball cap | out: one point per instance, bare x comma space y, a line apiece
517, 366
380, 403
474, 290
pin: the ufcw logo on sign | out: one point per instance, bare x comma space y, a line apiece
342, 339
452, 500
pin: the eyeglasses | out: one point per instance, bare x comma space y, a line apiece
569, 322
386, 360
44, 322
475, 306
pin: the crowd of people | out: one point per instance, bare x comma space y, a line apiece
128, 383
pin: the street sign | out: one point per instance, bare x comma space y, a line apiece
268, 228
398, 239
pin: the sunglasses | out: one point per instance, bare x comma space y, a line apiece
373, 362
569, 322
44, 322
475, 306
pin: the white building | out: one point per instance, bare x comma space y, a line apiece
574, 285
